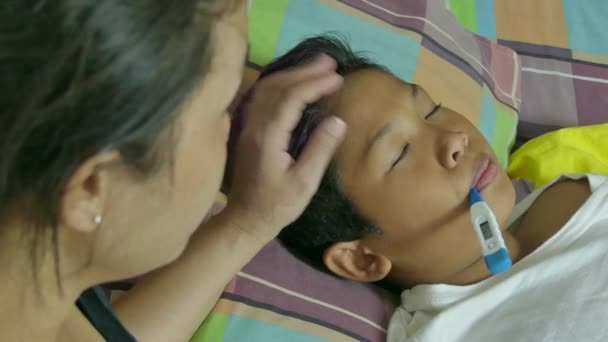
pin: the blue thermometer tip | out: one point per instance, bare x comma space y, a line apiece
474, 196
499, 261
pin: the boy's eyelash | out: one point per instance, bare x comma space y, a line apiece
437, 107
406, 147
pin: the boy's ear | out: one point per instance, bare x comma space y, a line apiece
352, 260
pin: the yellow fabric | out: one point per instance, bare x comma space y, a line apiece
569, 150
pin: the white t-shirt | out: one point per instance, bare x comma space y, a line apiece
559, 292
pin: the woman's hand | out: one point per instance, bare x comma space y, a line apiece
270, 189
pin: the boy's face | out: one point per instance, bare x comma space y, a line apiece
410, 174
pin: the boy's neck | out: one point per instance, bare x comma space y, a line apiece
478, 271
543, 219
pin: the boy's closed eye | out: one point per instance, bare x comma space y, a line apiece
433, 112
406, 146
401, 156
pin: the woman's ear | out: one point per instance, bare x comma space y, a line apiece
83, 199
352, 260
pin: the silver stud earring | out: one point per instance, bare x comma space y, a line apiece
97, 219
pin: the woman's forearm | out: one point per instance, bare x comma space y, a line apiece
171, 303
271, 191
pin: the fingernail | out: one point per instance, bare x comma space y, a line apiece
336, 127
217, 208
324, 58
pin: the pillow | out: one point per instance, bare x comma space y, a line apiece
278, 297
569, 150
564, 56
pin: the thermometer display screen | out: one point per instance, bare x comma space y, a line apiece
486, 231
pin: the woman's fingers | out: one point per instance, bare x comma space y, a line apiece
317, 153
321, 65
269, 189
296, 98
279, 100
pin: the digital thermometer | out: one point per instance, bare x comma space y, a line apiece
493, 247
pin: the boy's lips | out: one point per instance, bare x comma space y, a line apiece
485, 173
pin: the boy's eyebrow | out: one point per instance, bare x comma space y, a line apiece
376, 137
415, 89
387, 128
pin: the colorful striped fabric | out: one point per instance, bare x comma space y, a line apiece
419, 40
558, 78
278, 297
563, 45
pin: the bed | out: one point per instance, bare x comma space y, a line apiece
515, 68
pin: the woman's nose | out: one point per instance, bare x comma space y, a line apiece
453, 149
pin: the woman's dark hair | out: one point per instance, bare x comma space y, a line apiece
331, 216
80, 77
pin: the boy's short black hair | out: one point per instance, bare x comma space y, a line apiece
330, 217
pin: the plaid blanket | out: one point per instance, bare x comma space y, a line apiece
563, 45
558, 77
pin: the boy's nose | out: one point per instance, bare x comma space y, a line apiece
453, 149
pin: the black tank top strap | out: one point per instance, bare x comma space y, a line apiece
95, 306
